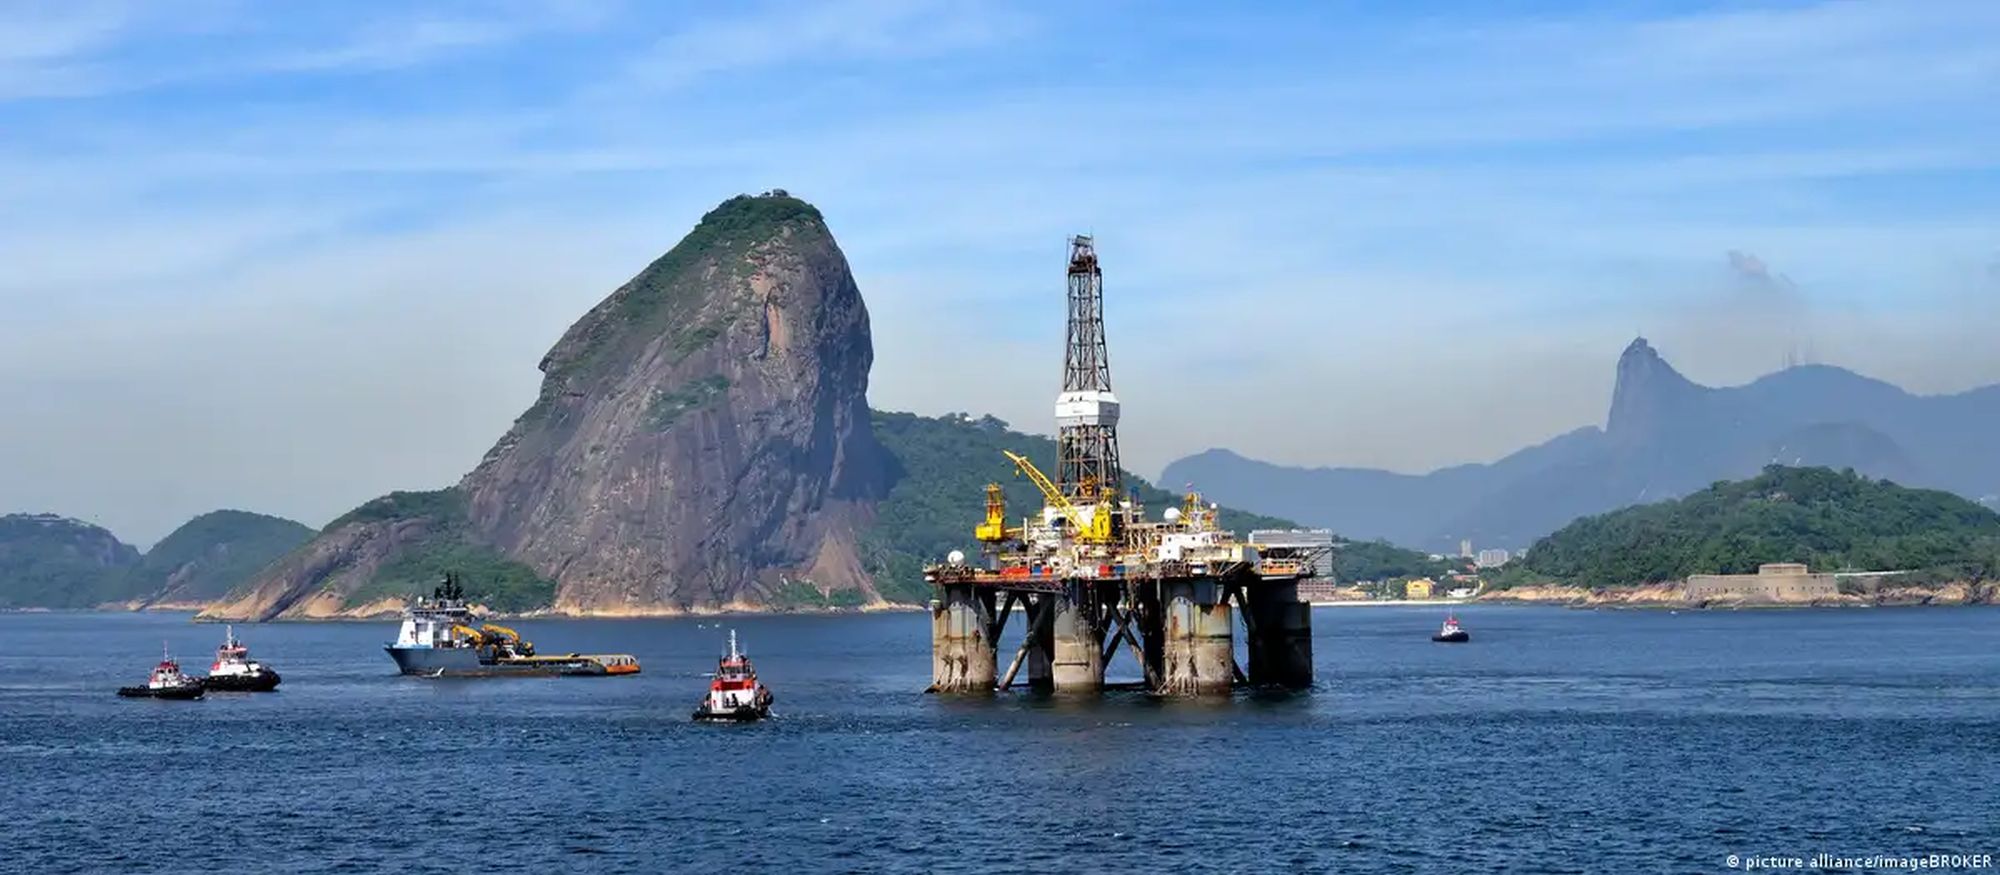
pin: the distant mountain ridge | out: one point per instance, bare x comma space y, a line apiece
1665, 436
51, 561
211, 555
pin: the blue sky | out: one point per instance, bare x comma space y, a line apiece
289, 256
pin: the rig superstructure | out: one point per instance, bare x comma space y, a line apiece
1092, 572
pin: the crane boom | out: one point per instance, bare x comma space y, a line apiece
511, 637
1096, 528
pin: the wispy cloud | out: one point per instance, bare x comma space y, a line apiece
102, 48
58, 31
819, 33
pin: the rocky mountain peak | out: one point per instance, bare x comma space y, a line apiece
1648, 391
702, 436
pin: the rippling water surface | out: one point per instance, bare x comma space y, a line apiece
1557, 741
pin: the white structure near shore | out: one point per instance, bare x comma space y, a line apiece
1775, 581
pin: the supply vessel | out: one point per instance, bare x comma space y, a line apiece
441, 638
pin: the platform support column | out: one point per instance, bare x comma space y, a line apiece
1079, 641
1040, 641
1279, 635
963, 658
1197, 646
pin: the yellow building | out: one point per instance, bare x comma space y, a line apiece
1419, 589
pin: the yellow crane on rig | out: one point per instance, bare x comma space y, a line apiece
1092, 529
994, 530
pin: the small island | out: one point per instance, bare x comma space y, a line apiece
1787, 537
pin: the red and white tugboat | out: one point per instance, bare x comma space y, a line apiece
735, 694
234, 671
166, 682
1451, 632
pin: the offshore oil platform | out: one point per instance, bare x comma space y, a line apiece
1091, 573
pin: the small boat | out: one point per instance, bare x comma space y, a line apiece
234, 671
735, 694
1451, 632
166, 682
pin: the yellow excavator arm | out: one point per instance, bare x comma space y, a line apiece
523, 647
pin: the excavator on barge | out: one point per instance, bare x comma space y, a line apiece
440, 638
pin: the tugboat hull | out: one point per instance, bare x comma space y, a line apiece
187, 691
741, 714
1452, 637
708, 712
258, 682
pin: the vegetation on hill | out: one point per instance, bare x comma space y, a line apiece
48, 561
1830, 520
1380, 560
214, 553
489, 578
657, 301
798, 594
942, 466
939, 495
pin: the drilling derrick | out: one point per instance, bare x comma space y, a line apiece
1091, 574
1087, 469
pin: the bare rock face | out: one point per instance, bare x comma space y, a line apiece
701, 442
318, 580
210, 555
702, 435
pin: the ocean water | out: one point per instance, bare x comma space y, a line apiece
1557, 741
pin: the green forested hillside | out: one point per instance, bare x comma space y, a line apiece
48, 561
489, 578
942, 466
1381, 560
214, 553
945, 463
1828, 519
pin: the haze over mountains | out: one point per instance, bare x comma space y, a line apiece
1665, 437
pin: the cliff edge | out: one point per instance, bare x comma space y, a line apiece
700, 442
702, 435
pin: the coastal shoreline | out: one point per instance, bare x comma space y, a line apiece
1674, 597
621, 614
1653, 597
